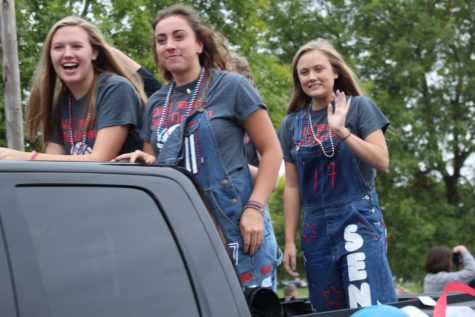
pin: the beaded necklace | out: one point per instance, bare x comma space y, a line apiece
83, 145
332, 153
163, 124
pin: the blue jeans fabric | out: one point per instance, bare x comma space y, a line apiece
193, 146
343, 233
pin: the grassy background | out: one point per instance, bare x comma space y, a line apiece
409, 287
303, 292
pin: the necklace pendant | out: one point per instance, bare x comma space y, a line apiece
188, 91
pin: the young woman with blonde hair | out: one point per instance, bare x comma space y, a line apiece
333, 143
84, 105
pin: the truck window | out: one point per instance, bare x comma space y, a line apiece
104, 251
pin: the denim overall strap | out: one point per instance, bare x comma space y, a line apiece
225, 195
297, 137
343, 235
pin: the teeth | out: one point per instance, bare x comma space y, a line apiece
69, 65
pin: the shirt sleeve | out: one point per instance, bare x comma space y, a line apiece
118, 104
468, 272
150, 83
247, 99
370, 117
285, 137
147, 117
55, 137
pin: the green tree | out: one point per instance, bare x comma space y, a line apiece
415, 60
419, 63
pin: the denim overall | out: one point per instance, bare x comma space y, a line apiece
343, 235
193, 145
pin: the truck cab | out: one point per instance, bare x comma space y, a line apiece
92, 239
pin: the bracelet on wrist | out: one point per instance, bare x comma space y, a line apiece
347, 136
255, 205
33, 156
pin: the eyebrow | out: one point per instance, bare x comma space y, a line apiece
69, 42
175, 31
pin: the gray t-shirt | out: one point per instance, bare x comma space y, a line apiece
230, 98
117, 104
435, 283
363, 118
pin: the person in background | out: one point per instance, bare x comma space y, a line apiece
290, 292
240, 65
331, 154
84, 105
440, 262
150, 83
197, 121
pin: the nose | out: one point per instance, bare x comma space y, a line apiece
170, 45
68, 52
312, 75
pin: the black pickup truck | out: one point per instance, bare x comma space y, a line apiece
92, 239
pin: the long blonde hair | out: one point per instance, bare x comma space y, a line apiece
346, 81
215, 54
47, 90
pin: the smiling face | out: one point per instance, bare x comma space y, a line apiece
316, 76
72, 55
177, 48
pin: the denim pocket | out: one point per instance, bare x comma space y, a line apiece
227, 208
369, 216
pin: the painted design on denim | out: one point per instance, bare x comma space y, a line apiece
267, 282
245, 277
234, 252
322, 132
333, 296
315, 180
332, 172
266, 269
309, 232
356, 262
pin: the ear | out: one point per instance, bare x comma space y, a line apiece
335, 76
199, 47
95, 53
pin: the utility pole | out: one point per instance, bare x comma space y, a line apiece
11, 77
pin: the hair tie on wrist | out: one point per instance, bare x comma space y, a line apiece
33, 156
347, 136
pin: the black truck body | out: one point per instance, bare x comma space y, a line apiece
90, 239
103, 239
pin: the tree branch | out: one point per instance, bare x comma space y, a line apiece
85, 10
